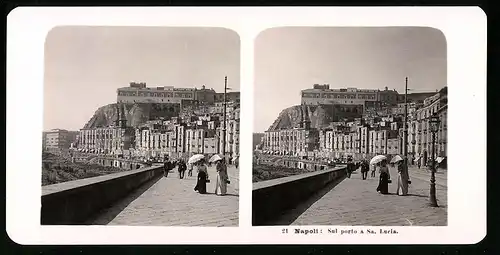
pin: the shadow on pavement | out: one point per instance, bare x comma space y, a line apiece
290, 216
107, 215
227, 194
417, 195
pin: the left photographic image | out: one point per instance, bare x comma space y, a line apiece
141, 126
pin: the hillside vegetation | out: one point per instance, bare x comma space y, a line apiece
266, 172
56, 169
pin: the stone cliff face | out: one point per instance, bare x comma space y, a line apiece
135, 113
318, 116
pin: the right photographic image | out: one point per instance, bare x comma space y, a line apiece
350, 127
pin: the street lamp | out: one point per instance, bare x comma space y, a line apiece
434, 123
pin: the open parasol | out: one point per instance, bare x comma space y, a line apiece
377, 159
215, 158
195, 158
396, 158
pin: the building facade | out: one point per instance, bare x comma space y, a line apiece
420, 135
322, 94
139, 93
58, 139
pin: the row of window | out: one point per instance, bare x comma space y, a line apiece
339, 96
155, 94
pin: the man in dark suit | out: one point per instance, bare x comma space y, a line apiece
167, 166
364, 169
350, 167
181, 167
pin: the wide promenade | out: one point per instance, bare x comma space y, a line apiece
356, 202
172, 201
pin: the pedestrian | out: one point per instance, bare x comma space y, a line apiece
222, 178
230, 160
166, 167
364, 169
373, 171
384, 179
237, 162
419, 163
190, 169
347, 172
201, 183
402, 179
350, 167
181, 167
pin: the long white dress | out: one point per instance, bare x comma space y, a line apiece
221, 182
402, 181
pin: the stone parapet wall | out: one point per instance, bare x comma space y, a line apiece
74, 202
270, 199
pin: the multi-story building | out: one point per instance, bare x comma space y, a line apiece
211, 142
378, 141
295, 141
393, 147
180, 137
194, 141
204, 95
230, 96
347, 112
420, 135
108, 140
322, 94
322, 139
338, 143
218, 107
388, 97
58, 139
139, 93
232, 133
362, 145
329, 139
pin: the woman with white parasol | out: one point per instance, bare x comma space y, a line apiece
383, 184
222, 179
199, 161
402, 175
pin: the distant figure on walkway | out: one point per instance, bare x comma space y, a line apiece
237, 162
222, 178
201, 184
383, 184
166, 167
190, 169
419, 163
181, 167
350, 167
365, 167
402, 179
373, 172
230, 160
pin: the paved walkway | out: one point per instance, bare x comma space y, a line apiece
355, 202
173, 202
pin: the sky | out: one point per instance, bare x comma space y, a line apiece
290, 59
84, 66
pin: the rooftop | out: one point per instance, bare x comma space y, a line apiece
345, 90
